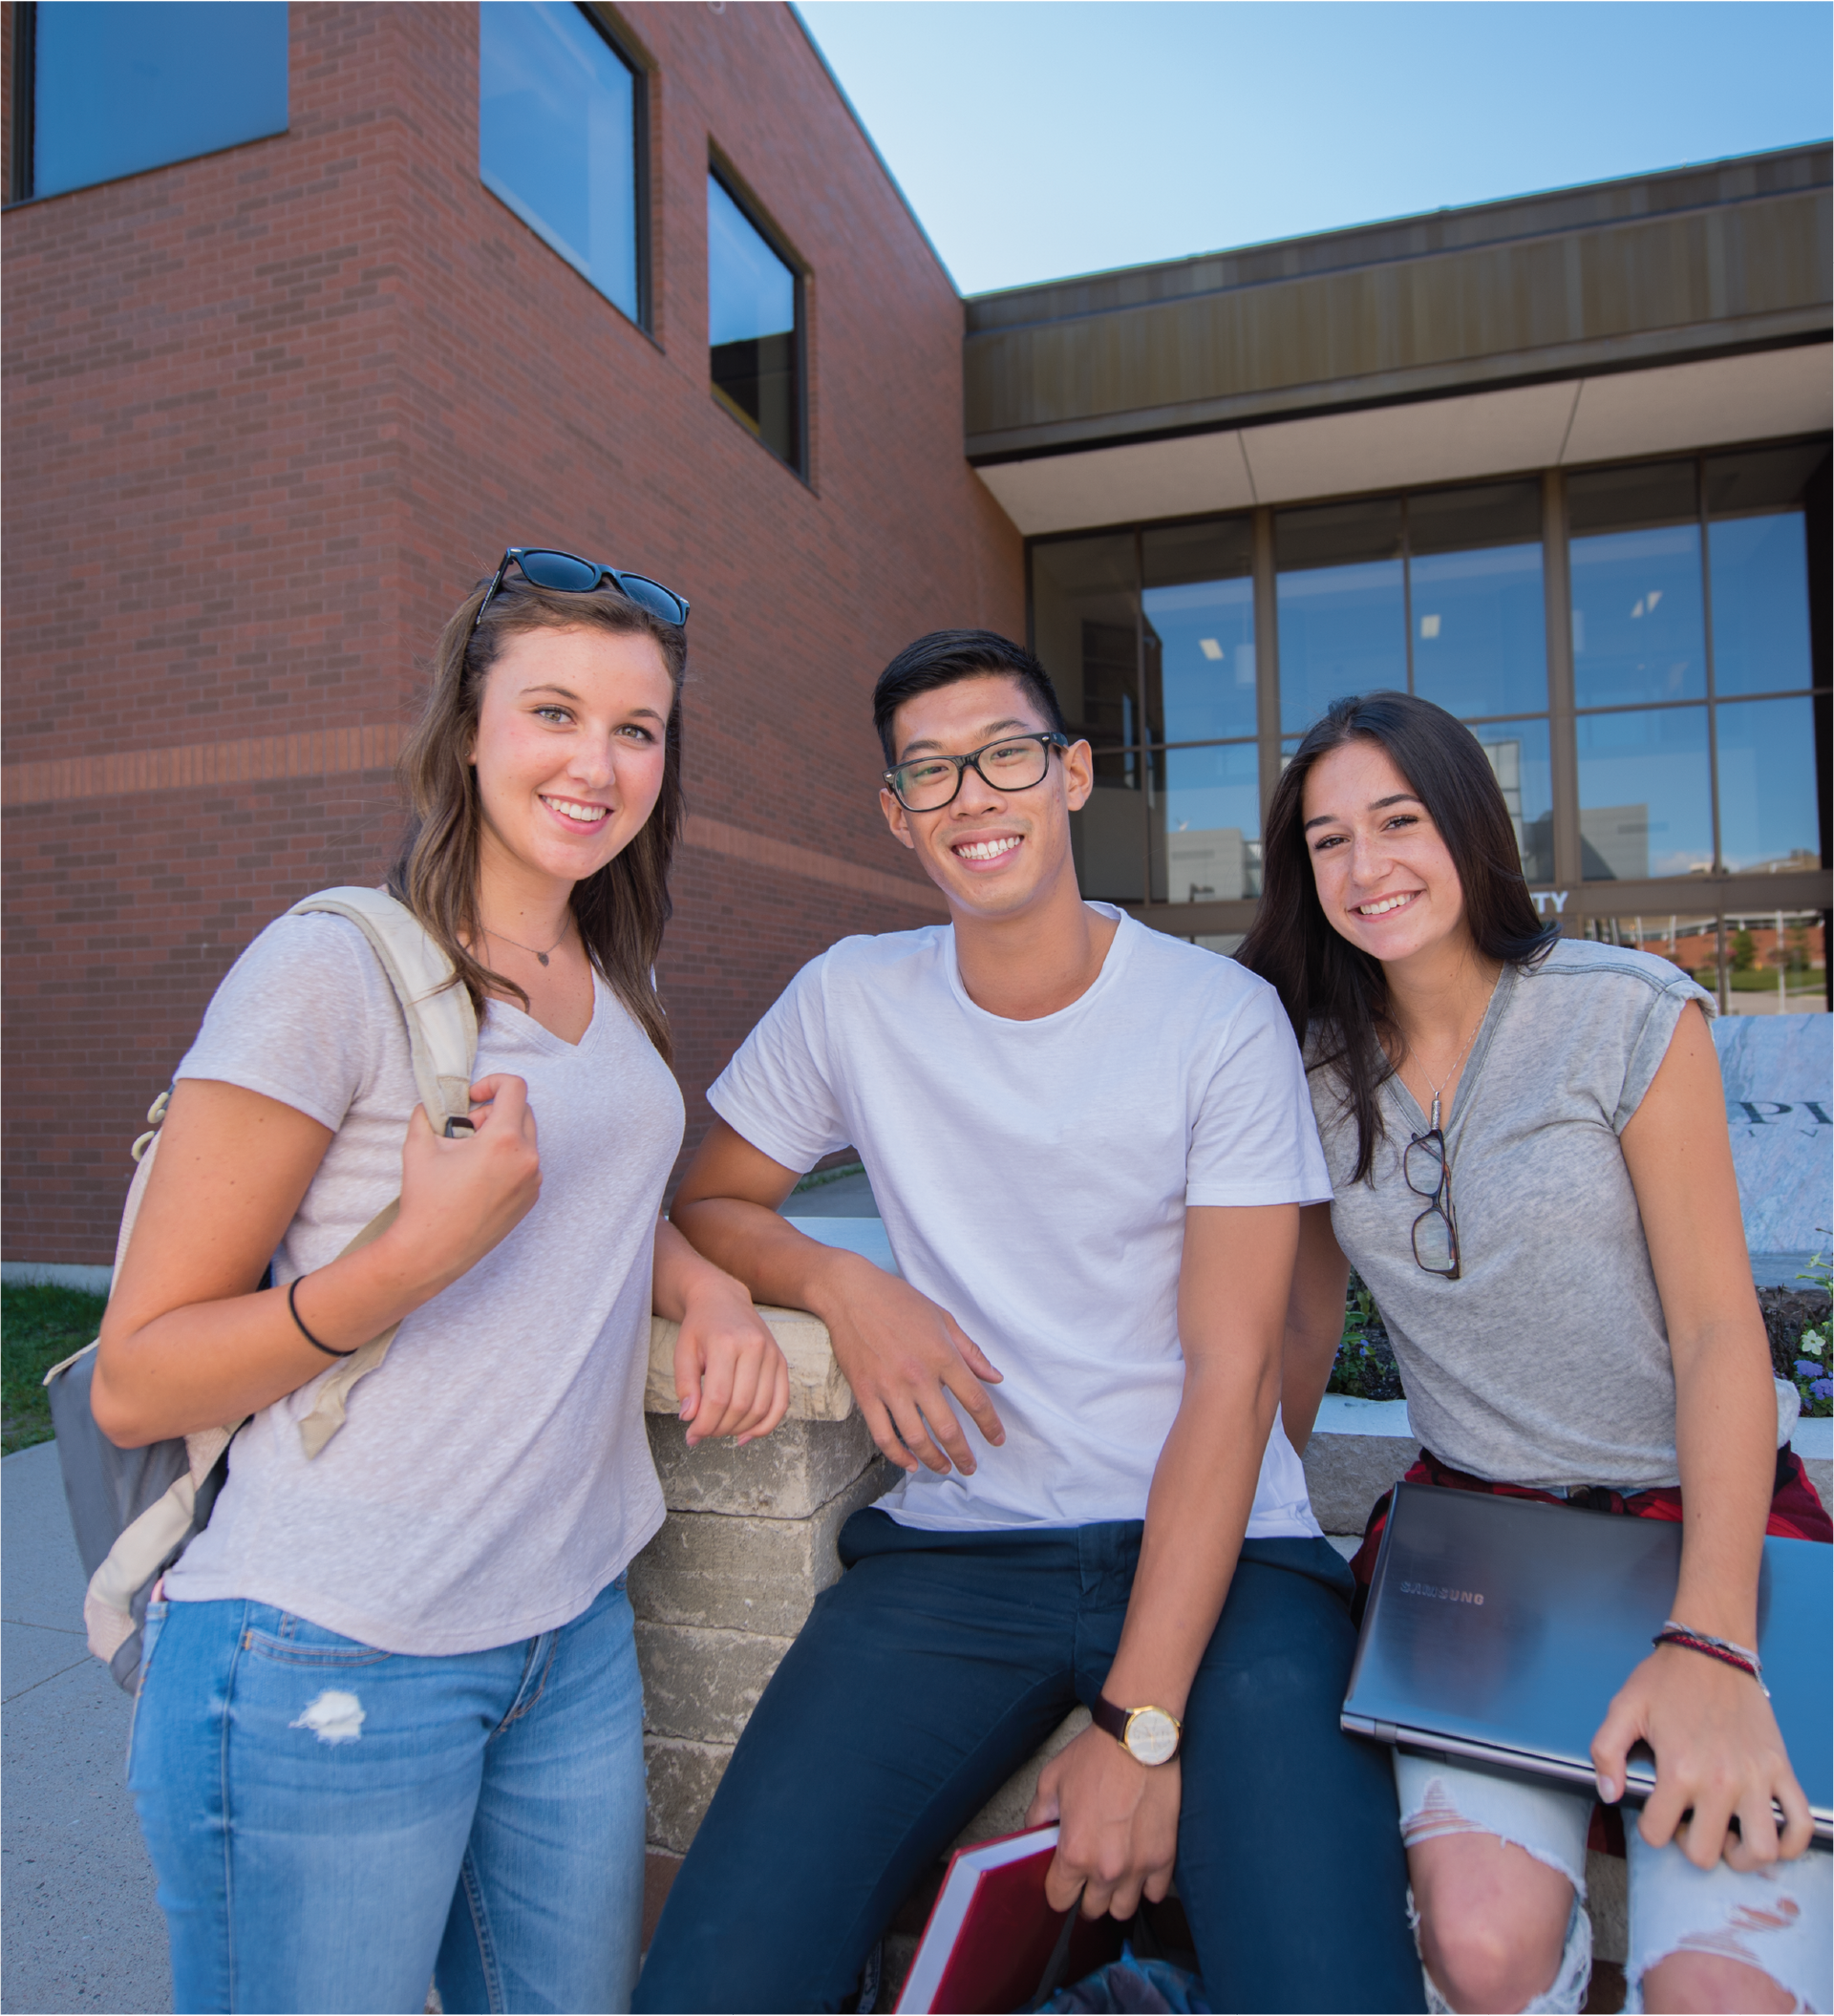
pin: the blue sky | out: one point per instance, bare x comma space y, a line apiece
1040, 137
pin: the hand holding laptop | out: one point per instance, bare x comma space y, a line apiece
1496, 1626
1719, 1759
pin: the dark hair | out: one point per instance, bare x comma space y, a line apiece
621, 910
1333, 990
944, 657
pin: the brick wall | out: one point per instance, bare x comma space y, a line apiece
267, 415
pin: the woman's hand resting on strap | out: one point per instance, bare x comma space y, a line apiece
460, 1198
188, 1342
1718, 1756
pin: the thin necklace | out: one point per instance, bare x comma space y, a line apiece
554, 947
1432, 1124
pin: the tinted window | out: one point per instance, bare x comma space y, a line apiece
1200, 631
1768, 817
1480, 625
751, 315
557, 138
120, 89
1645, 795
1086, 630
1206, 824
1342, 606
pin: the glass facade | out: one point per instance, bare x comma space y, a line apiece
559, 138
1342, 603
118, 88
754, 325
1438, 593
1089, 635
1685, 702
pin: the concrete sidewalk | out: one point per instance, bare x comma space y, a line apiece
78, 1917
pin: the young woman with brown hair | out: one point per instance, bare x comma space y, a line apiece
390, 1719
1531, 1171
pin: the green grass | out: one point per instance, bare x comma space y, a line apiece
37, 1328
1762, 980
816, 1178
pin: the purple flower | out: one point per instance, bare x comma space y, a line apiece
1823, 1389
1807, 1368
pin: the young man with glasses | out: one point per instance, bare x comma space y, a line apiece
1090, 1144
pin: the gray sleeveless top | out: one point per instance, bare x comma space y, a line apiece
1546, 1363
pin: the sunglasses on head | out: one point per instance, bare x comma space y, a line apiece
566, 572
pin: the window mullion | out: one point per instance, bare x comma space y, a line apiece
1562, 750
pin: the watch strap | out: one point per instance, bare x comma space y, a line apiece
1110, 1719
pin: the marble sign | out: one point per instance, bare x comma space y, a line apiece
1779, 1072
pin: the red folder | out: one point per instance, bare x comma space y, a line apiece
990, 1934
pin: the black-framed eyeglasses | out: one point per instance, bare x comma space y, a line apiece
570, 574
1012, 763
1435, 1233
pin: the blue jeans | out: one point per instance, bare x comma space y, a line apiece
332, 1826
929, 1674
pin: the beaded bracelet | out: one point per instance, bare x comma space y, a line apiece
1720, 1648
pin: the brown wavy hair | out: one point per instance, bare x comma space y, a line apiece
1333, 992
621, 910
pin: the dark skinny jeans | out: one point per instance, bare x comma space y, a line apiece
929, 1674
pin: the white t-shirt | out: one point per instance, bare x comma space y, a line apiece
492, 1475
1033, 1178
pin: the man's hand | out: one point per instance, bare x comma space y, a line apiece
1717, 1751
730, 1375
1117, 1826
903, 1356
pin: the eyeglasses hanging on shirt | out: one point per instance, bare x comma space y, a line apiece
1428, 1170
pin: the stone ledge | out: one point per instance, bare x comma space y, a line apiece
1358, 1447
790, 1474
725, 1571
817, 1391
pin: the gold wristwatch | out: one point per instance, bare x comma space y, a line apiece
1150, 1736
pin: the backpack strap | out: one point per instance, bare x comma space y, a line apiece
442, 1037
442, 1026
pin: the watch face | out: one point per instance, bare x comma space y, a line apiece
1152, 1735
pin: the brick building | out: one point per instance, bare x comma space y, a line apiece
299, 338
270, 413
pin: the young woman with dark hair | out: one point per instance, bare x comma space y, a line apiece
390, 1720
1531, 1171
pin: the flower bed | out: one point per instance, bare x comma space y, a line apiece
1796, 1321
1365, 1367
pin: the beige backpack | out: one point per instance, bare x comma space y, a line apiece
134, 1511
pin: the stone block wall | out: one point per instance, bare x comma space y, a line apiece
747, 1545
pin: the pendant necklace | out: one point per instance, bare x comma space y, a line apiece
554, 947
1433, 1124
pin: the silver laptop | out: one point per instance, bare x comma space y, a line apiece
1499, 1629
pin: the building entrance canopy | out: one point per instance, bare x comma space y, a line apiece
1559, 465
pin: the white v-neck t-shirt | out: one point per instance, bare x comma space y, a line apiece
493, 1474
1034, 1179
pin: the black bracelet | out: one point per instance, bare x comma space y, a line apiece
291, 1291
